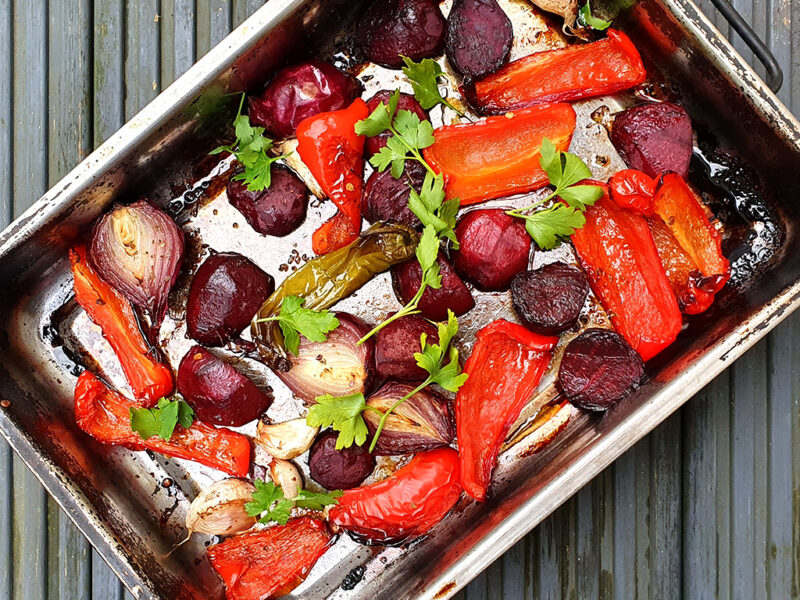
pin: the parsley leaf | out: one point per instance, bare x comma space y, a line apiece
269, 502
588, 19
549, 226
424, 78
316, 500
250, 149
161, 421
294, 321
432, 210
343, 414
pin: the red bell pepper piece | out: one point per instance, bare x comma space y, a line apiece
633, 190
149, 379
258, 565
499, 156
105, 415
504, 369
621, 261
407, 504
687, 218
562, 75
328, 144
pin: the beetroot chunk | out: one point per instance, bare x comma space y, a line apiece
225, 294
494, 248
479, 36
386, 198
655, 138
396, 344
277, 210
338, 469
549, 300
373, 145
598, 369
434, 303
301, 91
391, 28
217, 392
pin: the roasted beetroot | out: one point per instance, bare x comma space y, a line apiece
598, 369
301, 91
654, 138
494, 248
372, 145
434, 303
391, 28
479, 36
277, 210
338, 469
219, 393
227, 290
549, 300
396, 344
386, 198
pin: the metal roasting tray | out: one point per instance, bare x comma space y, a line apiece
122, 501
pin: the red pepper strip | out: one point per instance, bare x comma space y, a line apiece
504, 369
105, 415
405, 505
149, 379
633, 190
621, 261
576, 71
328, 145
685, 215
499, 156
682, 272
258, 565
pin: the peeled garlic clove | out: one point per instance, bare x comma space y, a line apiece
288, 148
219, 509
286, 475
286, 440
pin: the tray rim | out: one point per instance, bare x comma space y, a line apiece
600, 454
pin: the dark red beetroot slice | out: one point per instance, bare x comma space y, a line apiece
598, 369
338, 469
549, 300
386, 198
655, 138
225, 294
396, 344
479, 36
278, 210
372, 145
218, 393
434, 303
301, 91
493, 248
391, 28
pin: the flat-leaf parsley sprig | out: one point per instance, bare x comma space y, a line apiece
162, 419
270, 504
424, 79
294, 321
548, 226
344, 413
250, 149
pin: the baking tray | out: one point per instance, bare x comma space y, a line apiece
120, 500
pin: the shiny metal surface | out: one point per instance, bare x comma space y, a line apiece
78, 473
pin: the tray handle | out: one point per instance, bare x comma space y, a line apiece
774, 78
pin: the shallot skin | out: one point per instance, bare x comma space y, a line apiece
226, 292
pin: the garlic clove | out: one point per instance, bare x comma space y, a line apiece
286, 440
286, 475
219, 509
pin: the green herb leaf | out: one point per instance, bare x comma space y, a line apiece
428, 248
588, 19
315, 500
581, 196
343, 414
380, 119
549, 226
269, 502
424, 78
294, 321
161, 421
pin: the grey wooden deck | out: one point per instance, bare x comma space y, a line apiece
707, 506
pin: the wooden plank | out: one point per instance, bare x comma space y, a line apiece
178, 45
142, 72
108, 96
243, 9
104, 583
213, 23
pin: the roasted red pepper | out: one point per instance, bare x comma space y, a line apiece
405, 505
499, 156
149, 379
258, 565
633, 190
328, 144
504, 370
105, 415
575, 71
687, 218
621, 261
